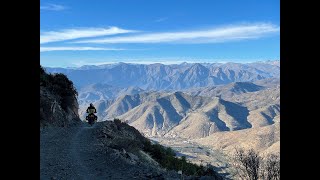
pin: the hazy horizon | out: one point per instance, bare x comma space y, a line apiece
158, 62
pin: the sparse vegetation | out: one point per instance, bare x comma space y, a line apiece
117, 121
60, 85
58, 100
166, 157
271, 166
249, 165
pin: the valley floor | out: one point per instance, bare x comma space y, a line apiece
218, 148
199, 154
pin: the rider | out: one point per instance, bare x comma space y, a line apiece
91, 110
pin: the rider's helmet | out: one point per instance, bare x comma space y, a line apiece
91, 104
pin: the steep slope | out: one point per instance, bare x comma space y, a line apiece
264, 116
122, 105
263, 139
157, 116
258, 99
127, 102
196, 76
187, 116
243, 87
268, 82
225, 91
216, 116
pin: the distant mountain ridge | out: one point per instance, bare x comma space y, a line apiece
226, 90
170, 77
197, 113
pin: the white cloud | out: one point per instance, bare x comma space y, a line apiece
213, 35
45, 49
52, 7
68, 34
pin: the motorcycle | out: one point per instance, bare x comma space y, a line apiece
91, 118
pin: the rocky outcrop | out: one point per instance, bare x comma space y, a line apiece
58, 104
52, 113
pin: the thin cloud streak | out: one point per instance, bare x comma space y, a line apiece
53, 7
215, 35
46, 49
69, 34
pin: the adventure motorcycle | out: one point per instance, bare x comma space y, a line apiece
91, 118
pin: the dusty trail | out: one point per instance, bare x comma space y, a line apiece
76, 153
71, 153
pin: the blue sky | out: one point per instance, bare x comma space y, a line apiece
79, 32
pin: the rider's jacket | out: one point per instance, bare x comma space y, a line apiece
91, 110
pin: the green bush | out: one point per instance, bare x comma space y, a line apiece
166, 157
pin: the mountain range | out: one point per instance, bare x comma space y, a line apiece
196, 101
193, 113
169, 77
